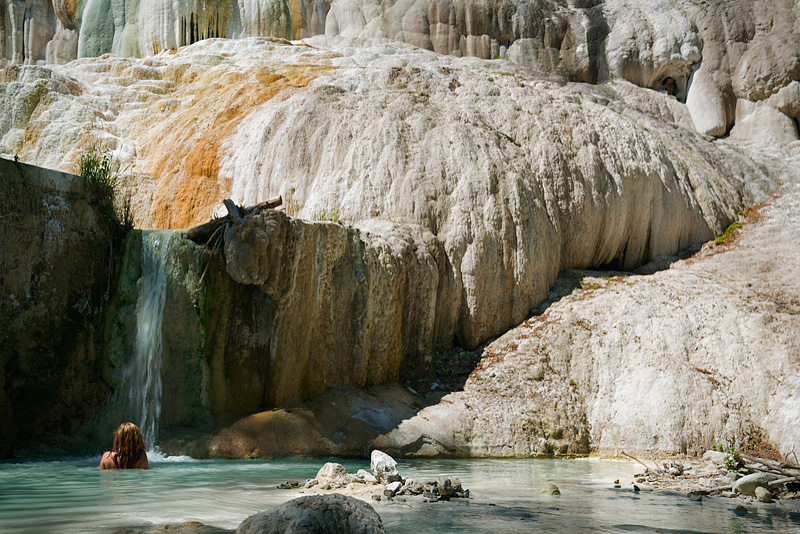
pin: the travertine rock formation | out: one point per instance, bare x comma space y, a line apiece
467, 184
668, 363
515, 176
708, 54
704, 352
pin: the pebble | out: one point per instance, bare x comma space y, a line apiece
694, 496
740, 510
763, 495
635, 488
551, 489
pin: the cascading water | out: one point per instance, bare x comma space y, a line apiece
144, 373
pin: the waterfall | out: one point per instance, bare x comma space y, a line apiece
144, 373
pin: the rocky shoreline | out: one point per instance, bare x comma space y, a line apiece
383, 483
725, 474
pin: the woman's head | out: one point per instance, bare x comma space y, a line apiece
128, 444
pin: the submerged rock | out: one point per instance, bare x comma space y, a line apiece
551, 489
187, 527
316, 514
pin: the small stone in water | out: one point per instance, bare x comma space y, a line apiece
694, 496
740, 510
376, 497
551, 489
763, 495
635, 488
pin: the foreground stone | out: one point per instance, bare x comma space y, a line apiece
763, 494
316, 514
187, 527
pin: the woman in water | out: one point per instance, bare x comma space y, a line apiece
128, 451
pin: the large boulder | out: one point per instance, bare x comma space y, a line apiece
316, 514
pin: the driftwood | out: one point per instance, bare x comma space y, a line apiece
212, 235
772, 464
203, 233
790, 472
638, 460
784, 481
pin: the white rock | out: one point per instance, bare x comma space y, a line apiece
392, 488
761, 122
383, 467
367, 477
706, 105
332, 473
747, 485
763, 494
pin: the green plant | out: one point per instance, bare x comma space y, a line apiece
26, 180
100, 174
327, 214
728, 234
97, 167
126, 213
731, 457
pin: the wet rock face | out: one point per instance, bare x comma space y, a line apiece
322, 305
54, 282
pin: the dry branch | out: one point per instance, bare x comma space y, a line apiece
637, 460
202, 234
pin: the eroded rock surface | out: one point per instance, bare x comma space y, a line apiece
316, 514
706, 350
56, 270
510, 178
708, 54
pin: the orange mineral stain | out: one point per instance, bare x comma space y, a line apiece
183, 153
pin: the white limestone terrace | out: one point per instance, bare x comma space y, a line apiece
723, 58
518, 176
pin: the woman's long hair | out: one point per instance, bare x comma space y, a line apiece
128, 444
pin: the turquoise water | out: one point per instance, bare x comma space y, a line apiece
73, 496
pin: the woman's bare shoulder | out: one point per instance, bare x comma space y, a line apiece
142, 462
108, 460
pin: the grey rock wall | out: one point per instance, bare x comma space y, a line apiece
56, 278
